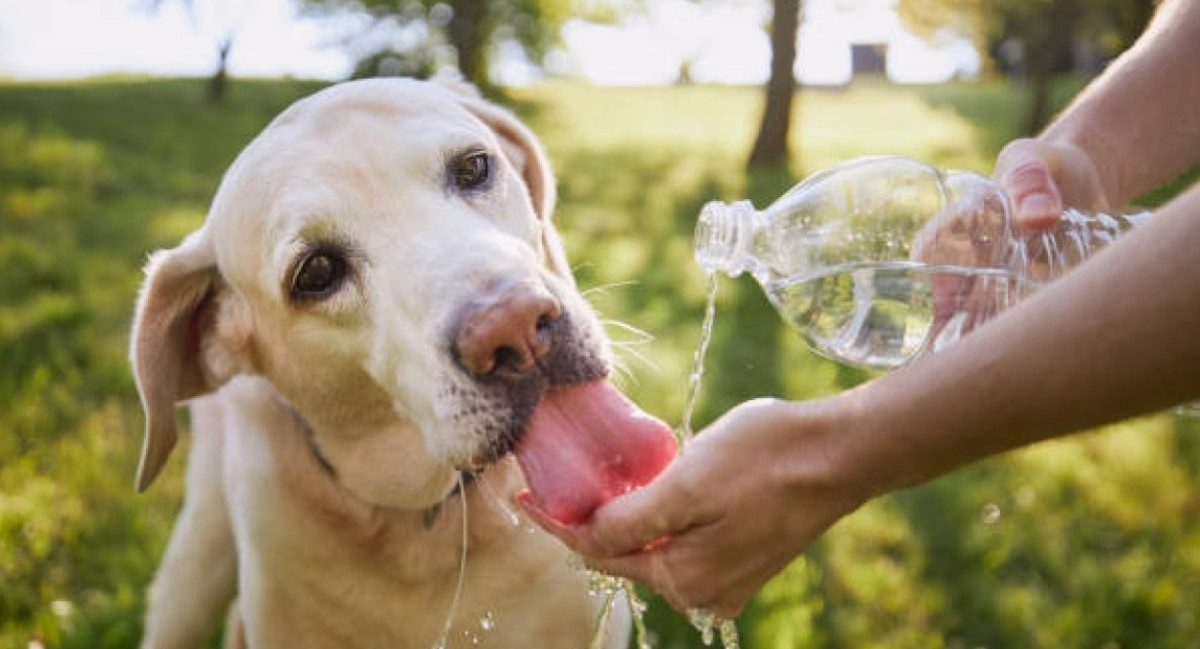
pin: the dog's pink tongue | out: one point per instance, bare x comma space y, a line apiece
587, 444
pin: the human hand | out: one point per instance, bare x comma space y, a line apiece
1040, 179
1043, 178
743, 499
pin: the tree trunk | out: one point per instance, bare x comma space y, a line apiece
771, 145
1038, 113
468, 31
217, 84
1050, 53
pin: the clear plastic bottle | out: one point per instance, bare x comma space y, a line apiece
878, 260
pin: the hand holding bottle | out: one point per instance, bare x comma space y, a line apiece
1043, 178
878, 260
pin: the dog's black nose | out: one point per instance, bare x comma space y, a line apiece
504, 336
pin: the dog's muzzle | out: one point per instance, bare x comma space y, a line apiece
511, 346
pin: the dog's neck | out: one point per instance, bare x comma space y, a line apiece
304, 426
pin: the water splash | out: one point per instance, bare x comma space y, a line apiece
704, 622
610, 586
600, 636
637, 610
708, 625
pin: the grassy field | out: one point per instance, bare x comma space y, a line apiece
1092, 541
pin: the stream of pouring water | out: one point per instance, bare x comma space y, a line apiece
704, 622
684, 433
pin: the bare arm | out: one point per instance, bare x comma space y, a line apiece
1115, 338
1118, 337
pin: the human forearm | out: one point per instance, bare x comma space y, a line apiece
1115, 338
1139, 122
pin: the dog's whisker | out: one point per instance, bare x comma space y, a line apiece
621, 372
640, 336
623, 351
575, 268
604, 288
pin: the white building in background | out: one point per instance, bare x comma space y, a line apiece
841, 38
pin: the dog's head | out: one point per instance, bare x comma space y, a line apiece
383, 255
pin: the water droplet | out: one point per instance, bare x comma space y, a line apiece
991, 514
62, 608
704, 622
602, 584
487, 622
707, 624
729, 635
470, 637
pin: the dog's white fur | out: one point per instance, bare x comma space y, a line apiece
328, 435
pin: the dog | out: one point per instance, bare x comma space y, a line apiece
375, 308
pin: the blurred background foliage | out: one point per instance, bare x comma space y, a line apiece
1090, 541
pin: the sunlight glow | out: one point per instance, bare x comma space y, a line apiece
69, 38
718, 41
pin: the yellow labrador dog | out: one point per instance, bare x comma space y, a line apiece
375, 315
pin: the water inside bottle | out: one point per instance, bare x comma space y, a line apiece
880, 315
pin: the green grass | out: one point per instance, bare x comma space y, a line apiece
1089, 541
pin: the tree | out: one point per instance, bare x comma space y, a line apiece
217, 83
771, 145
475, 29
1046, 36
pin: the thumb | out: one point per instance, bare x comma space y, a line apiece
641, 518
1025, 169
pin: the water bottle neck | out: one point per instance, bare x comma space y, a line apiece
724, 236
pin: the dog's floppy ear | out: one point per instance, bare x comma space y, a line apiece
525, 152
176, 314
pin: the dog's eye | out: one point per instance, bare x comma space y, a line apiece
319, 275
471, 171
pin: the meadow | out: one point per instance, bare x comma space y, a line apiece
1088, 541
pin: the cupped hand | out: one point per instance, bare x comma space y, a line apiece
743, 499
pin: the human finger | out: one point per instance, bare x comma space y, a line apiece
643, 517
1025, 169
626, 524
